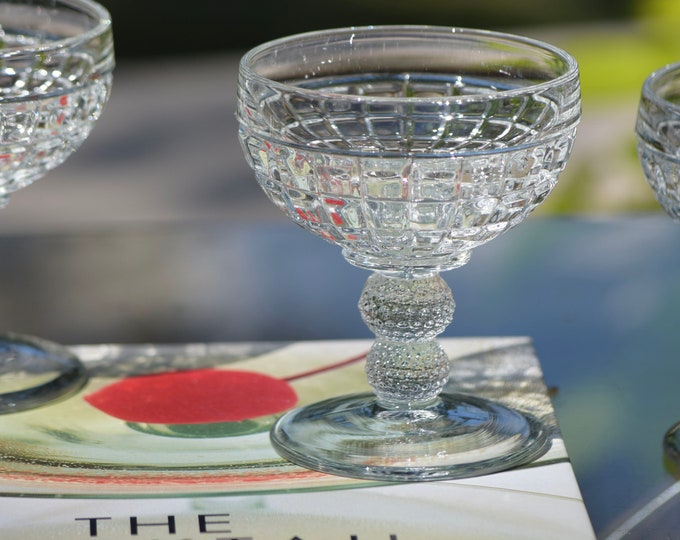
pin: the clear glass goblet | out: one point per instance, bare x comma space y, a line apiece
658, 143
56, 62
407, 147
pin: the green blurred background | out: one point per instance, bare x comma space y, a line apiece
617, 43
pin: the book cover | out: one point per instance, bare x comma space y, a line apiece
171, 442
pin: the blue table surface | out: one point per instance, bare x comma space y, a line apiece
600, 297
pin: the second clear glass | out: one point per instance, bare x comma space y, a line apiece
56, 63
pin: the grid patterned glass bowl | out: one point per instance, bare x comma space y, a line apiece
410, 170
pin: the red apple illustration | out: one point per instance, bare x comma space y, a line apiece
196, 403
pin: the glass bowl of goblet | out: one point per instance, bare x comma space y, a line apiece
658, 144
56, 62
407, 146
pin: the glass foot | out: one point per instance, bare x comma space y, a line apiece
34, 372
671, 443
456, 437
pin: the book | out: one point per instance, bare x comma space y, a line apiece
171, 442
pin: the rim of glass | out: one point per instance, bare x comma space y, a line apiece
571, 64
98, 13
650, 91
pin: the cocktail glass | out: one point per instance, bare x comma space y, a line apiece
658, 144
56, 62
407, 146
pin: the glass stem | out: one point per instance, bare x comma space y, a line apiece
406, 366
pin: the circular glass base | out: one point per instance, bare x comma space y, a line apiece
671, 443
457, 436
34, 372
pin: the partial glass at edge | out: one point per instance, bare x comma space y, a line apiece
408, 147
56, 60
658, 143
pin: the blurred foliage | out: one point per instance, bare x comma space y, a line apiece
615, 60
603, 174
